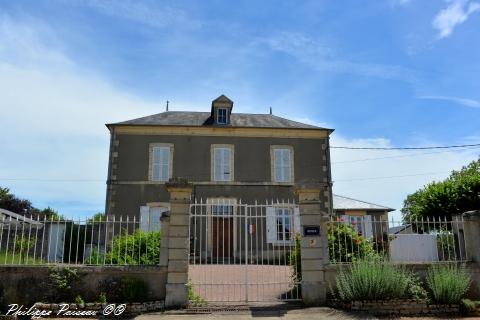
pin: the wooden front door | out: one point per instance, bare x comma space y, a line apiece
222, 229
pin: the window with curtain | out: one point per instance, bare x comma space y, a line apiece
282, 162
222, 166
160, 163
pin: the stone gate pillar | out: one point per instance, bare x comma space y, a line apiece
314, 217
178, 243
471, 235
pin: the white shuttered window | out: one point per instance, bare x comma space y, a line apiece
160, 163
282, 163
222, 164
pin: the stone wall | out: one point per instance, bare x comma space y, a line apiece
399, 308
29, 284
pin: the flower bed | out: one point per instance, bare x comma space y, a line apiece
398, 307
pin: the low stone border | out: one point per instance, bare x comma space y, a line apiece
398, 307
97, 309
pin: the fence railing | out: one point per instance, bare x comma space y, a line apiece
105, 241
428, 240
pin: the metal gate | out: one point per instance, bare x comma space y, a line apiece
244, 252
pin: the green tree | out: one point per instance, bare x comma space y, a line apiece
97, 217
9, 201
458, 193
24, 207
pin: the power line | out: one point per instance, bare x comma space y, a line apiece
51, 180
400, 156
405, 148
392, 177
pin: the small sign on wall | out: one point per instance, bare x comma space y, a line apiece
311, 231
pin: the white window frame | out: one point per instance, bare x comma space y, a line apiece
224, 177
362, 224
152, 148
148, 222
226, 115
273, 214
282, 179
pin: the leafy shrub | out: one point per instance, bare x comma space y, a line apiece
194, 298
62, 279
346, 245
102, 298
373, 279
23, 245
448, 283
134, 290
141, 248
468, 306
79, 299
415, 290
296, 259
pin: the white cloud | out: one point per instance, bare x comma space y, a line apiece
461, 101
322, 57
52, 118
148, 14
457, 12
400, 3
386, 177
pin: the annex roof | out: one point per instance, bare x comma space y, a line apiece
346, 203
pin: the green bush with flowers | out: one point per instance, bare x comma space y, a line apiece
346, 245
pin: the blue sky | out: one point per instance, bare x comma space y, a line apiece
382, 73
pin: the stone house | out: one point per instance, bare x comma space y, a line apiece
228, 157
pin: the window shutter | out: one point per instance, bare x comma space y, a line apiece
286, 165
271, 225
217, 164
367, 221
296, 221
144, 218
164, 162
155, 214
226, 164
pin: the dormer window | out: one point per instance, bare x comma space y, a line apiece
222, 116
221, 111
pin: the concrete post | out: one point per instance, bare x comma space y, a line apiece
314, 247
471, 231
178, 243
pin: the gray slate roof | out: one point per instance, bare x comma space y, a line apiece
345, 203
192, 118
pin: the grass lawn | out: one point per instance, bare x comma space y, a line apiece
10, 258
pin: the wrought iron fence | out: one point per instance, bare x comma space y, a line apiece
96, 241
428, 240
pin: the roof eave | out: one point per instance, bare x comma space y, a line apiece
367, 209
110, 125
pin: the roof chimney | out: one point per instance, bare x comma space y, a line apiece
166, 108
270, 110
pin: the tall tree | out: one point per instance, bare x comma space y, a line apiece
10, 202
458, 193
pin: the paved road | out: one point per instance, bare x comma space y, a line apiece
300, 314
303, 314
